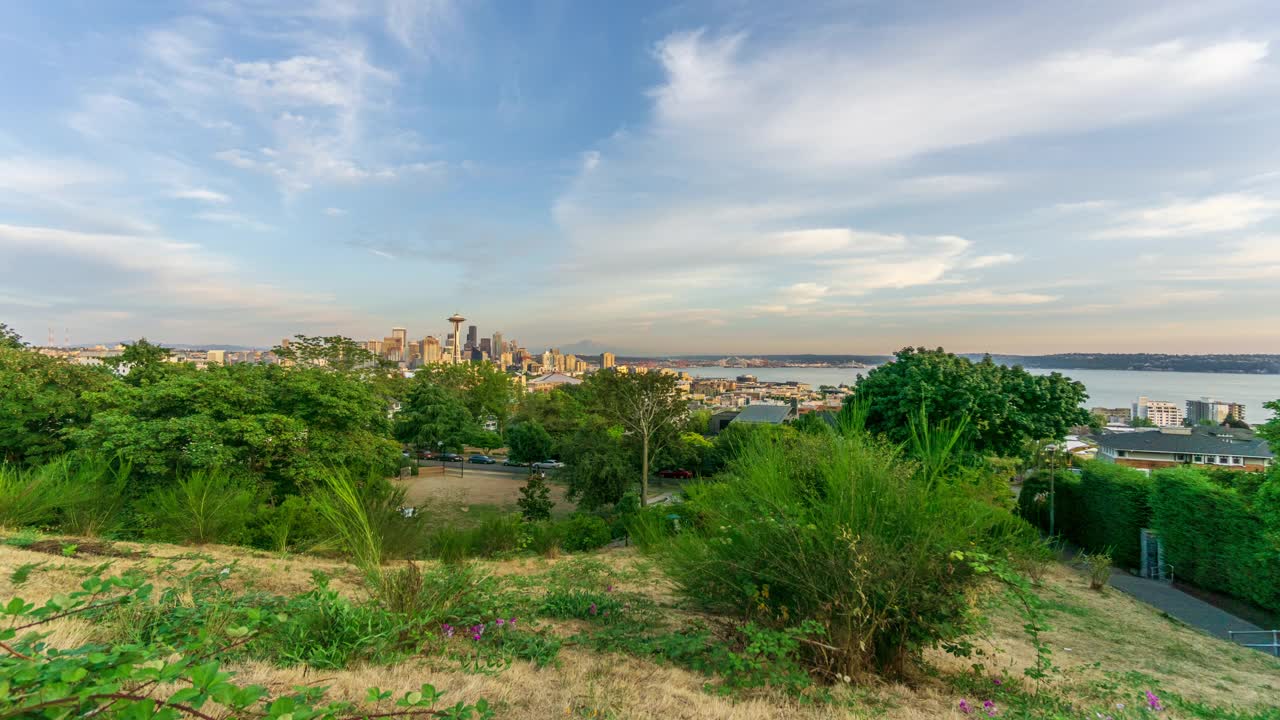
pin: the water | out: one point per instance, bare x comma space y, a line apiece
1107, 388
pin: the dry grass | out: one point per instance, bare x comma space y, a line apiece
453, 494
1110, 629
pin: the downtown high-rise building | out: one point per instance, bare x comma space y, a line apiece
472, 338
497, 349
431, 352
607, 360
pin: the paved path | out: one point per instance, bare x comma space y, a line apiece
1190, 610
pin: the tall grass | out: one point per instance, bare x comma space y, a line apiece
33, 496
853, 538
341, 501
102, 487
204, 506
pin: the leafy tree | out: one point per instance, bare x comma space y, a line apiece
535, 498
689, 451
143, 361
1097, 422
1234, 422
41, 400
599, 468
333, 352
1005, 405
10, 339
281, 424
698, 421
812, 424
432, 417
1141, 422
560, 412
486, 440
1270, 430
646, 405
528, 442
486, 390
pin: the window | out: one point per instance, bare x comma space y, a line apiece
1122, 453
1200, 459
1179, 457
1222, 460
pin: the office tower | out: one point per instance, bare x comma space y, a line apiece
485, 347
607, 360
497, 347
402, 337
216, 357
430, 350
472, 335
392, 349
457, 321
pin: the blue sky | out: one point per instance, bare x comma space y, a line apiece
695, 177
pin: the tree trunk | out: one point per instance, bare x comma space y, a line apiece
644, 471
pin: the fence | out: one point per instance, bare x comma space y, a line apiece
1273, 647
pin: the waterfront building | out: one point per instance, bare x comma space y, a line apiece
1160, 412
1213, 411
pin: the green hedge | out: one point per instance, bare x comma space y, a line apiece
1212, 539
1115, 507
1104, 507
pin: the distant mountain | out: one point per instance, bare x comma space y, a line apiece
587, 347
1252, 364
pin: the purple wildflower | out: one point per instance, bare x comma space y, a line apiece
609, 589
512, 622
1154, 702
447, 629
593, 609
965, 707
990, 707
501, 622
997, 681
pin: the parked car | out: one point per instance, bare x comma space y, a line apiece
676, 473
426, 455
512, 463
547, 465
482, 460
450, 457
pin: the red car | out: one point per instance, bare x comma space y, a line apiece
675, 473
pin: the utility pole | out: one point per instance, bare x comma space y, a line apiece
1053, 494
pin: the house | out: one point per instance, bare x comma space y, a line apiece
1169, 447
766, 414
721, 420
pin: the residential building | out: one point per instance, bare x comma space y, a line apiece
430, 350
1213, 411
766, 414
551, 381
1114, 416
607, 360
1162, 413
216, 357
1169, 447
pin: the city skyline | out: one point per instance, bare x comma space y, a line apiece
650, 179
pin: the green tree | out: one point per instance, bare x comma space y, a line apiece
486, 440
560, 412
142, 361
812, 424
1097, 422
698, 421
10, 339
535, 498
648, 408
432, 417
528, 442
1141, 422
1005, 405
599, 467
333, 352
1270, 430
486, 390
41, 400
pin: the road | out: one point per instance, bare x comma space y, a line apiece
522, 471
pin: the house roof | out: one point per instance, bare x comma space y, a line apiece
1196, 442
770, 414
555, 379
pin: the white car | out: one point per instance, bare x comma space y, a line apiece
547, 465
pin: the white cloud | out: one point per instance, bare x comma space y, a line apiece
334, 212
234, 219
202, 195
423, 26
982, 297
1215, 214
35, 175
985, 261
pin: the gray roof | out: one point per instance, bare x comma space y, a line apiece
770, 414
1198, 442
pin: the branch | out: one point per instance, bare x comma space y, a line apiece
14, 653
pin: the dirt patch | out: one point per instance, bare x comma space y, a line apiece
476, 487
63, 548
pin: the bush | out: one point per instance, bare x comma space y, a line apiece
1213, 539
294, 524
1033, 501
545, 538
30, 497
860, 543
101, 487
492, 534
585, 532
366, 518
535, 498
205, 506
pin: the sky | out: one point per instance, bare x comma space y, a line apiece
725, 176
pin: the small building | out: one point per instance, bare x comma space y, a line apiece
551, 381
1170, 447
766, 414
720, 421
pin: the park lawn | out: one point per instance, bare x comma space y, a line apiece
459, 498
1110, 648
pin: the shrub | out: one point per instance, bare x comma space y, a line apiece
1033, 500
1212, 538
1099, 566
32, 497
584, 532
205, 506
366, 519
493, 534
535, 498
101, 488
294, 524
546, 537
864, 546
1114, 508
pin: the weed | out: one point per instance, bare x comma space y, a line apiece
21, 573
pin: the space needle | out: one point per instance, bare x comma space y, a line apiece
457, 321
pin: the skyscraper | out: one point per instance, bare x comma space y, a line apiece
402, 336
498, 348
472, 336
485, 347
430, 350
607, 360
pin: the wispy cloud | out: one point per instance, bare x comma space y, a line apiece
202, 195
1190, 217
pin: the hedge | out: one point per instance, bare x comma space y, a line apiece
1213, 539
1104, 507
1115, 507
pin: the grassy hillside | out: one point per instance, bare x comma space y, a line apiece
631, 664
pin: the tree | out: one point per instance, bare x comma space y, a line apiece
813, 424
1141, 422
560, 412
535, 498
1005, 405
646, 405
486, 440
1270, 430
486, 390
599, 468
434, 418
332, 352
1097, 422
1234, 422
10, 339
528, 442
143, 361
41, 400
